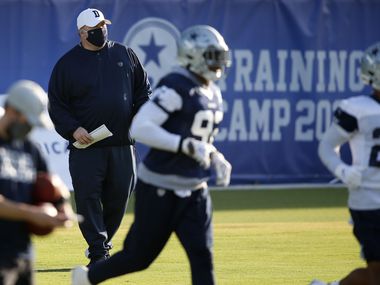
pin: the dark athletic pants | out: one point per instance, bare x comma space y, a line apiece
367, 232
156, 217
103, 179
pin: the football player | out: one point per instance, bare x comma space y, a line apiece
179, 125
357, 121
20, 162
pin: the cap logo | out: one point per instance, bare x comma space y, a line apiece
96, 13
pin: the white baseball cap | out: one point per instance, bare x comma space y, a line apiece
30, 99
91, 17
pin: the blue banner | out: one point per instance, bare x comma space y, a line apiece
292, 60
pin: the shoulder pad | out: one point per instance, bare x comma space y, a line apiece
360, 106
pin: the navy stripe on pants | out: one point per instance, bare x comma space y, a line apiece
156, 217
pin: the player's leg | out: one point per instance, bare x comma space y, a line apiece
146, 238
363, 276
16, 272
374, 272
195, 233
119, 183
87, 170
367, 232
8, 276
25, 272
357, 276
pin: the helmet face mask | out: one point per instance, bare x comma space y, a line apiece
370, 66
202, 50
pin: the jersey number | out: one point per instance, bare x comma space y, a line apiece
374, 159
203, 124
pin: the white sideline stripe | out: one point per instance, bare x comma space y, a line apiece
279, 186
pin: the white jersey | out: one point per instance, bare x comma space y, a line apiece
357, 120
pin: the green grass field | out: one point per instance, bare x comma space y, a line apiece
261, 237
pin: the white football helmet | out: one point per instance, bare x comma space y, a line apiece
203, 50
370, 66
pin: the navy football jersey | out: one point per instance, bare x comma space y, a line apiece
194, 110
19, 164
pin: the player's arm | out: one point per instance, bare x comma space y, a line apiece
63, 204
222, 169
341, 130
10, 210
146, 125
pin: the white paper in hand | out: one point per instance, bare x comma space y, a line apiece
98, 134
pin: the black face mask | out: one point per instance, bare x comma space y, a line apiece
97, 37
18, 131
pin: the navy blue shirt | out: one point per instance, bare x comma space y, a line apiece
19, 164
91, 88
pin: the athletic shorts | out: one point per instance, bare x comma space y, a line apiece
367, 232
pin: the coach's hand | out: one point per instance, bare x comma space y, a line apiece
351, 175
198, 150
82, 136
222, 169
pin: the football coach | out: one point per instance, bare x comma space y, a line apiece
98, 82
